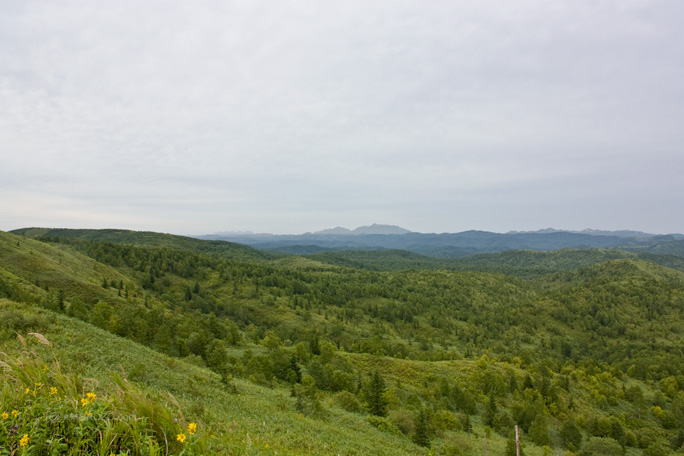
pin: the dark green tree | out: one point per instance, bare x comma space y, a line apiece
374, 395
539, 432
570, 434
422, 434
490, 412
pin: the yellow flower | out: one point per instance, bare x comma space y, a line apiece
266, 446
53, 390
24, 440
91, 397
180, 437
84, 402
5, 415
88, 414
15, 413
28, 390
192, 428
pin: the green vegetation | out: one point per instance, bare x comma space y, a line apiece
580, 348
150, 239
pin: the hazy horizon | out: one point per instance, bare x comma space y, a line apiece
288, 117
238, 233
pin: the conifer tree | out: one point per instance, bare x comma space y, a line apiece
490, 412
374, 395
422, 435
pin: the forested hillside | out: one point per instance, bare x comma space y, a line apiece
389, 353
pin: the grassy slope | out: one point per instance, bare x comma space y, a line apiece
221, 249
243, 423
37, 266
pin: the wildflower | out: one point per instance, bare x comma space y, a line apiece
24, 440
84, 402
88, 413
266, 446
28, 390
5, 415
180, 437
192, 428
14, 413
91, 397
53, 390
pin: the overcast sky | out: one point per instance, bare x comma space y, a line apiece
290, 116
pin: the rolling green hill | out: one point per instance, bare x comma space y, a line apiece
536, 264
312, 358
528, 264
379, 260
221, 249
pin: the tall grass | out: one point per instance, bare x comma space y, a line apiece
45, 410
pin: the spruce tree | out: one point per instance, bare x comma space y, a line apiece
490, 412
422, 435
374, 395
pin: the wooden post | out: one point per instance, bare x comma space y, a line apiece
517, 441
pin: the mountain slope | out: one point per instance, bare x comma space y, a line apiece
217, 248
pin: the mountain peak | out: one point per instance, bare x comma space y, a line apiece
338, 230
380, 229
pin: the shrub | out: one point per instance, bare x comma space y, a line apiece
382, 424
403, 419
348, 401
601, 446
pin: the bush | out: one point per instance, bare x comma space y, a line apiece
601, 446
348, 401
458, 446
444, 420
308, 401
403, 419
382, 424
657, 449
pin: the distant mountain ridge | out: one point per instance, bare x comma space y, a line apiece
363, 230
593, 232
453, 245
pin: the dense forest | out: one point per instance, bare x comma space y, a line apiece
582, 349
